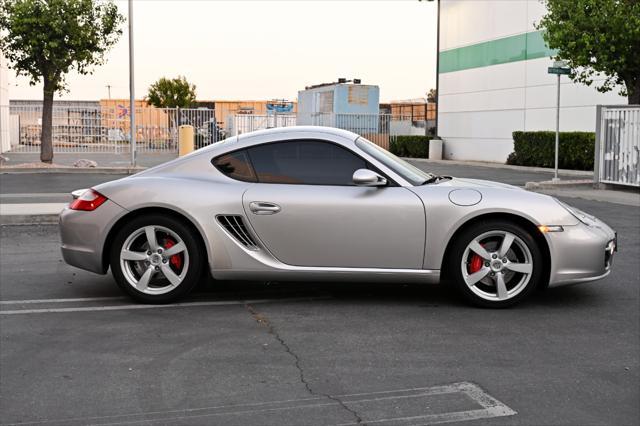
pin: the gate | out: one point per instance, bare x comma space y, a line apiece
618, 145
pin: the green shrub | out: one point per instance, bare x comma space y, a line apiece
410, 146
537, 149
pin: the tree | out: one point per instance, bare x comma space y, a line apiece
171, 93
46, 39
597, 37
432, 96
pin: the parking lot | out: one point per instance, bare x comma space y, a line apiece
73, 350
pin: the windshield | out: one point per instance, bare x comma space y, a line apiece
408, 171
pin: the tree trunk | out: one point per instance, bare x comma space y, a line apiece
633, 92
46, 142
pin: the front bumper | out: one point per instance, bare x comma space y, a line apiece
83, 234
581, 253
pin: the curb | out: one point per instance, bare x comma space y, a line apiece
30, 213
591, 194
29, 219
502, 166
560, 185
85, 170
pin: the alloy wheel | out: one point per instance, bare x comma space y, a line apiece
154, 260
497, 265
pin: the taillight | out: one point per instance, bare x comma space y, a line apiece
89, 201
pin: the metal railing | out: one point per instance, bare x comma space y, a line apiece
381, 129
244, 123
617, 145
90, 127
99, 129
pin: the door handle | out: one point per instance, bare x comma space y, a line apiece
263, 207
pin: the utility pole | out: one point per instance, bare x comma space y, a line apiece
109, 90
132, 95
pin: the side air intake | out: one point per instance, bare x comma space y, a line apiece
234, 224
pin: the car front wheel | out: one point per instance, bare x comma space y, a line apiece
496, 264
156, 259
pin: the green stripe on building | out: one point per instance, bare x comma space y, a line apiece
500, 51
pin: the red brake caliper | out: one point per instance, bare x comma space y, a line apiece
476, 263
175, 260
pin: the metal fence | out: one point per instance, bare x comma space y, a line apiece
244, 123
381, 129
618, 145
95, 128
99, 129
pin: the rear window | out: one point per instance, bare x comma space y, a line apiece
236, 165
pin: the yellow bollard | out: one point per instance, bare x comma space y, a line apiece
185, 140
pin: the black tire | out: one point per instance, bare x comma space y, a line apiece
459, 247
196, 258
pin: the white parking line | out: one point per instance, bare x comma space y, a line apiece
36, 195
31, 208
482, 406
140, 306
78, 299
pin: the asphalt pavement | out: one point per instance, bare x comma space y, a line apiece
73, 350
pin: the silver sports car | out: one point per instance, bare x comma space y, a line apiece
315, 203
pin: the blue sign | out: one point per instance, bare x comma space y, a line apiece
280, 107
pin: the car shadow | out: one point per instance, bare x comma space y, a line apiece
426, 295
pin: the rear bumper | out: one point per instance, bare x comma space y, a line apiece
83, 259
581, 253
83, 235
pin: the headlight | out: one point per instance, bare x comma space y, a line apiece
583, 217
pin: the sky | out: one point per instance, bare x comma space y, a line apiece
241, 50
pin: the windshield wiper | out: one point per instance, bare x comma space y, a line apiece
435, 179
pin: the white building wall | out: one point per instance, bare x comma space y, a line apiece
5, 144
480, 107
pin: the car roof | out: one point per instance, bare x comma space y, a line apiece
297, 129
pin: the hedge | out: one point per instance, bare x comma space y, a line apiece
537, 149
410, 146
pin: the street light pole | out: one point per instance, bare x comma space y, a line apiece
132, 96
437, 109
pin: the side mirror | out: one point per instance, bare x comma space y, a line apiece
366, 177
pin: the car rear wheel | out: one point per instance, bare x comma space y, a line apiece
156, 259
495, 264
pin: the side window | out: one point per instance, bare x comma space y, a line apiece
308, 162
236, 165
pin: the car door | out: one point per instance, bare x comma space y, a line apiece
306, 210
